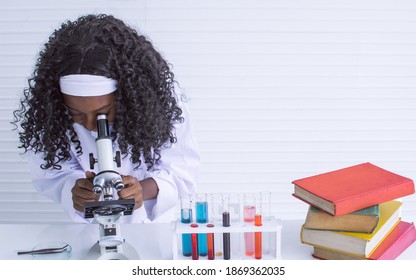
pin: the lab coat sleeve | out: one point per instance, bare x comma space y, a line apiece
57, 184
176, 173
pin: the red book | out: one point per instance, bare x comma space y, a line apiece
352, 188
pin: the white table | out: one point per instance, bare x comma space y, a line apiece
152, 241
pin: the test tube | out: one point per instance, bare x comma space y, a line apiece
258, 238
258, 246
235, 204
235, 207
226, 223
265, 203
210, 235
201, 205
215, 216
249, 213
194, 236
186, 218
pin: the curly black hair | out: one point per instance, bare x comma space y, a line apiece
146, 104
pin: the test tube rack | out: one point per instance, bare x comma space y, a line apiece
270, 228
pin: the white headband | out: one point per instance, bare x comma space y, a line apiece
87, 85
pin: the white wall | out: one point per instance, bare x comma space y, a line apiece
279, 89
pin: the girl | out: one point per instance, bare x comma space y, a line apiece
99, 65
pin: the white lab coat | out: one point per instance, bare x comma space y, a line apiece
176, 173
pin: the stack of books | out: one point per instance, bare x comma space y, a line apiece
354, 213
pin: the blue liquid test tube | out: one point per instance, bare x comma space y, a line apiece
201, 205
186, 218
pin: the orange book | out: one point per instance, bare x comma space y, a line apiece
352, 188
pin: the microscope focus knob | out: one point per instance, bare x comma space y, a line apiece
117, 159
92, 161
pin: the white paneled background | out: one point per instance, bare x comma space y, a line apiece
278, 90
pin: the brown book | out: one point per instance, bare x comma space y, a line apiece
364, 220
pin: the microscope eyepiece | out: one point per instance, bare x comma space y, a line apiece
102, 129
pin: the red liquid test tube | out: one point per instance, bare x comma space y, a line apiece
258, 238
211, 247
195, 254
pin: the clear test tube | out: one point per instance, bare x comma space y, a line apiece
265, 204
215, 217
249, 213
186, 218
235, 203
235, 208
201, 207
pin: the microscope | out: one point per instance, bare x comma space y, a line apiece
108, 210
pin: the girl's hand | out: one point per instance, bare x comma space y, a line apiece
132, 190
82, 192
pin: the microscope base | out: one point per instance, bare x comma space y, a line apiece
129, 253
